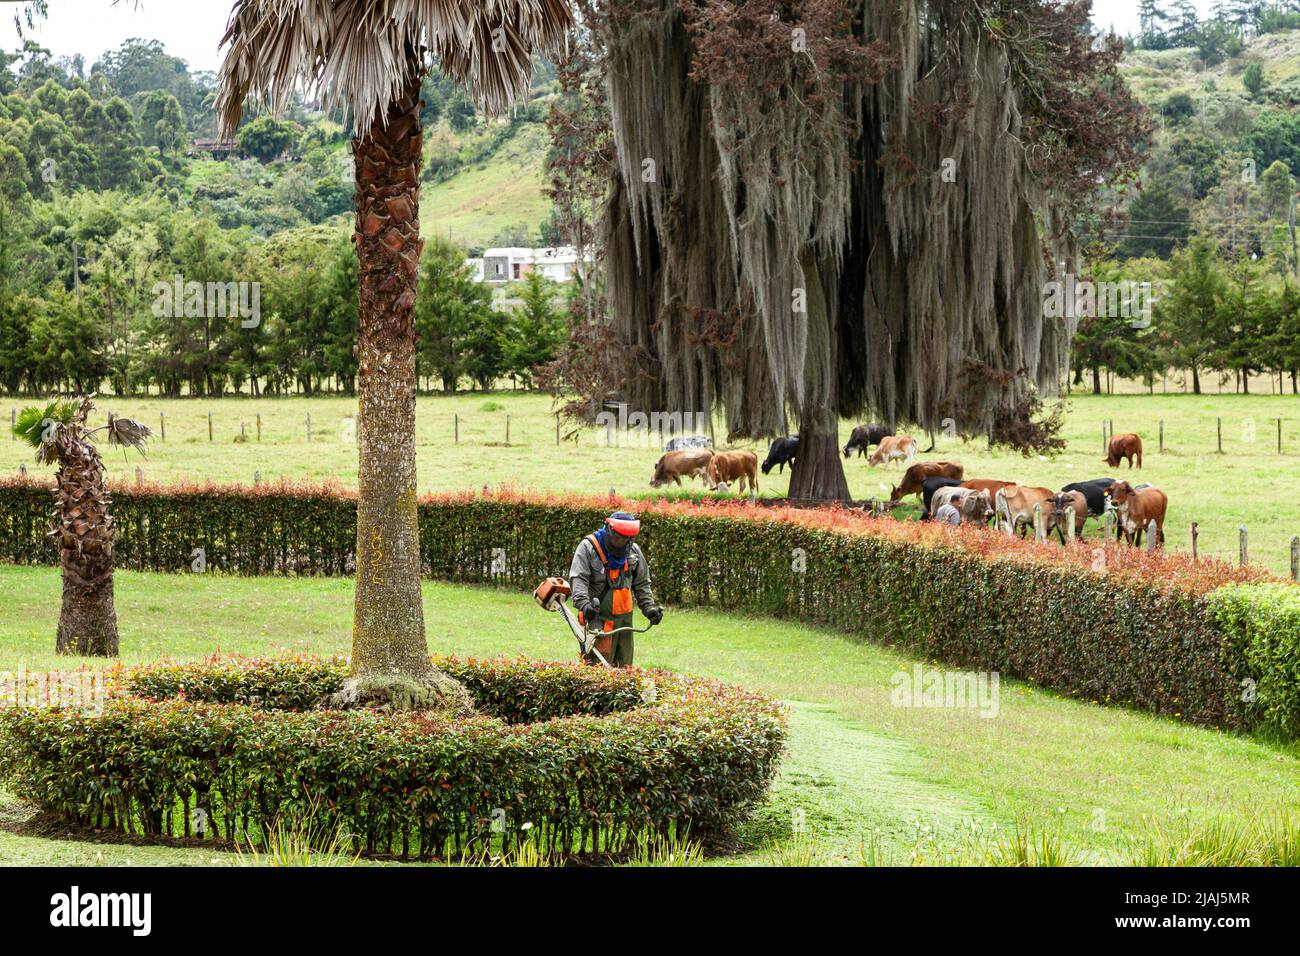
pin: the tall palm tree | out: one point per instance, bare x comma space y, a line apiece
368, 56
81, 523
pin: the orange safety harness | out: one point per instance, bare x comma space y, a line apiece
620, 588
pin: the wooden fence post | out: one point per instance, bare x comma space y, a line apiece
455, 418
1069, 524
209, 426
1195, 533
507, 429
1279, 436
557, 429
259, 426
162, 425
1295, 558
309, 428
1040, 529
1220, 428
1162, 434
1243, 553
1153, 533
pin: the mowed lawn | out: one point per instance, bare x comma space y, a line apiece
1250, 484
918, 782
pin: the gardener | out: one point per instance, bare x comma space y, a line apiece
608, 569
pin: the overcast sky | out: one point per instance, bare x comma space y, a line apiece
191, 29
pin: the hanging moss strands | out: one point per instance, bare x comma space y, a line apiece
827, 208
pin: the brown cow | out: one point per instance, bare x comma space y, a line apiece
916, 474
1137, 507
894, 448
1015, 507
676, 465
991, 485
1127, 446
728, 466
1060, 516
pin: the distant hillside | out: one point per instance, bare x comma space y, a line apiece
482, 199
1156, 74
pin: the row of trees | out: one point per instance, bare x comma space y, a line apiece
1167, 24
1231, 318
87, 302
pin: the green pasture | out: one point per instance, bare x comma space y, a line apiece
863, 776
1249, 485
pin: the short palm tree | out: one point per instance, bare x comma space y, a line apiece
81, 523
368, 56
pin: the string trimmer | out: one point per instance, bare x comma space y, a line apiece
553, 594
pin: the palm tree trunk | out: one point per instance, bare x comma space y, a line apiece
388, 624
84, 531
88, 619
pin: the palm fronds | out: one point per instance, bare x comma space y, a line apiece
41, 427
127, 433
360, 54
63, 420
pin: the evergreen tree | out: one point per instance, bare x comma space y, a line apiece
537, 331
1192, 310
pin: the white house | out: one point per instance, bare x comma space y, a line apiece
508, 264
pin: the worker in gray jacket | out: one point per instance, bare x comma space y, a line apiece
607, 572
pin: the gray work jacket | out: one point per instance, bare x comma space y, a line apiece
588, 580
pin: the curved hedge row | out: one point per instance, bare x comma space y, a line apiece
1100, 621
573, 757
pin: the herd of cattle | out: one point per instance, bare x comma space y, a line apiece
945, 491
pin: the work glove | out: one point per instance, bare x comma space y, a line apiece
655, 615
591, 615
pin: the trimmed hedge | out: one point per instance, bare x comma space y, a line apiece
1261, 623
1100, 621
577, 758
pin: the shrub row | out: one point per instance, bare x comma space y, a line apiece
611, 762
1262, 626
1100, 621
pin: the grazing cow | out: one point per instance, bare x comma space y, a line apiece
1127, 446
928, 487
916, 474
783, 452
1059, 518
728, 466
676, 465
864, 436
976, 507
1094, 492
1015, 507
1136, 508
894, 448
991, 485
